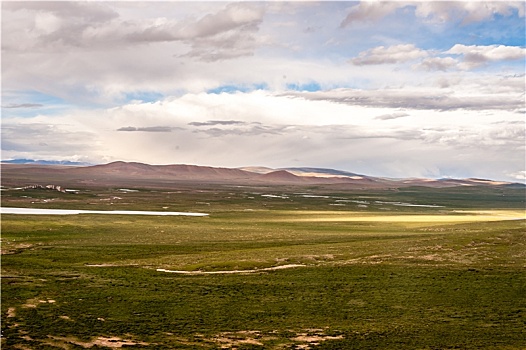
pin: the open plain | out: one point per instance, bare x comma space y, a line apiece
273, 266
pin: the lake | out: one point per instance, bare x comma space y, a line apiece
38, 211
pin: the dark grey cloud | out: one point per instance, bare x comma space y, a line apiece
150, 128
392, 116
251, 130
413, 99
127, 128
217, 122
24, 105
437, 64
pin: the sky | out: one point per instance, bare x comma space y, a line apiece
393, 89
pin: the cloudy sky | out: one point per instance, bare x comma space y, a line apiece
398, 89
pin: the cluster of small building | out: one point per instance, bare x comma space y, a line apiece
48, 187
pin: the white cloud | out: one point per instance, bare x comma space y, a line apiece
519, 175
243, 128
434, 11
48, 27
371, 11
437, 63
46, 23
392, 54
406, 105
102, 54
46, 138
474, 56
467, 11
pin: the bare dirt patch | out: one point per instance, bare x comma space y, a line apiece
110, 265
313, 338
14, 248
301, 340
110, 342
228, 343
281, 267
33, 303
230, 340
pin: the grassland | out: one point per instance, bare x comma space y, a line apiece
416, 268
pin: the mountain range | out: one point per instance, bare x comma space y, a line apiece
44, 162
139, 174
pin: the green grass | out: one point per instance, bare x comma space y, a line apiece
70, 280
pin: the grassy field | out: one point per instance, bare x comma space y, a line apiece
270, 268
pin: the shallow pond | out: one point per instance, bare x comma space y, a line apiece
38, 211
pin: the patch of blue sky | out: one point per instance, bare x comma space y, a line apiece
21, 112
404, 27
507, 31
229, 89
143, 96
500, 30
511, 67
310, 87
31, 103
29, 96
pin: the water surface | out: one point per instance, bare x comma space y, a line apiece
38, 211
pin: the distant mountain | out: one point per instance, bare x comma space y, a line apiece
281, 176
44, 162
257, 169
303, 171
322, 172
146, 175
166, 172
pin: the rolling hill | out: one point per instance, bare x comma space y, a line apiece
139, 174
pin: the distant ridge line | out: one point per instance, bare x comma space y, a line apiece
45, 162
118, 172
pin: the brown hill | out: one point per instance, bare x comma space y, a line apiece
281, 176
133, 174
117, 168
204, 172
166, 172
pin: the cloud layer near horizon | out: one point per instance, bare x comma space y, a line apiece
427, 89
